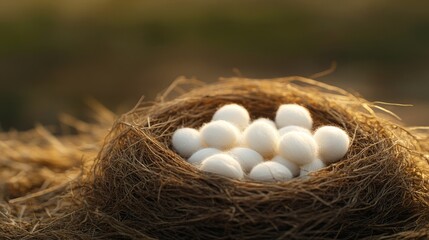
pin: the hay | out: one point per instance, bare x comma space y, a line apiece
39, 171
140, 189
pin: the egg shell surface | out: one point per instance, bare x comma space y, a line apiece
298, 147
261, 137
293, 167
315, 165
333, 143
220, 134
288, 129
293, 115
270, 171
248, 158
266, 120
233, 113
186, 141
200, 155
224, 165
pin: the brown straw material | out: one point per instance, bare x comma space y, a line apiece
139, 188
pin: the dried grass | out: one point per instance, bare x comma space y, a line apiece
139, 188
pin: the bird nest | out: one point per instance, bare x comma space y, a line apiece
139, 187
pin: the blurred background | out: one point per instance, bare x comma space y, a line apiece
56, 54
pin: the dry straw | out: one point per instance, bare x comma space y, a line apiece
140, 188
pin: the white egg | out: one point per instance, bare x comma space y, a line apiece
289, 129
293, 168
293, 115
223, 164
240, 141
234, 114
202, 154
315, 165
220, 134
270, 171
266, 120
248, 158
298, 147
186, 141
333, 143
261, 137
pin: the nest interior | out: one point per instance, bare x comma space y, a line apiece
139, 187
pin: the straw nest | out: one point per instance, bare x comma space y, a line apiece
140, 188
379, 188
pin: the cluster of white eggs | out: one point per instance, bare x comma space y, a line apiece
264, 150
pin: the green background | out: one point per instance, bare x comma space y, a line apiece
56, 54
